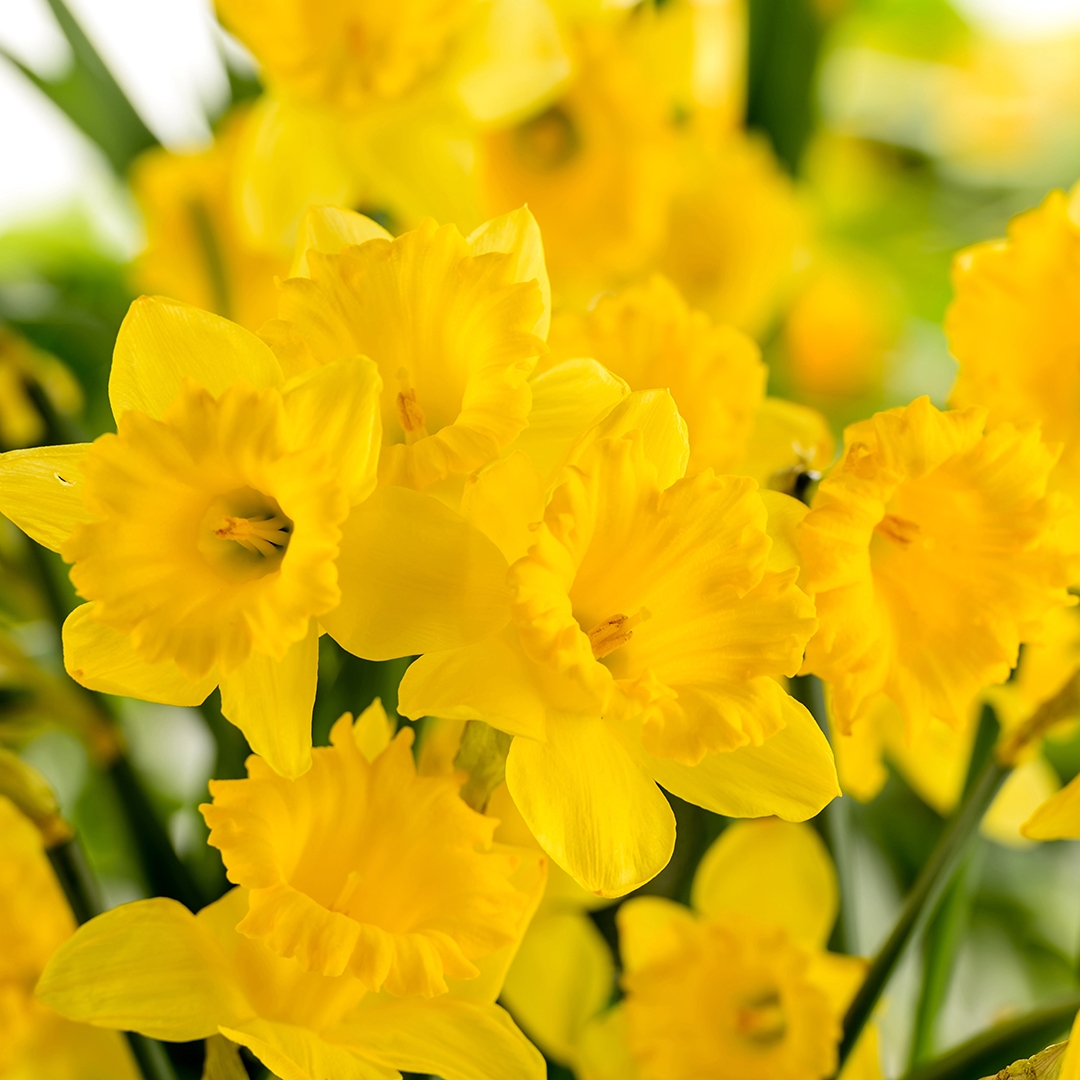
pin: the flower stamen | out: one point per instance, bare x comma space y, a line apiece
262, 536
614, 632
761, 1019
410, 415
899, 530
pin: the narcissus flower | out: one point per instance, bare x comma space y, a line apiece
1013, 330
24, 367
362, 867
652, 616
153, 967
228, 516
451, 323
34, 922
932, 551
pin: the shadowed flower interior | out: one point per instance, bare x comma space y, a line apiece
364, 867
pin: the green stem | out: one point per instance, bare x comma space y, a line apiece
1000, 1046
933, 877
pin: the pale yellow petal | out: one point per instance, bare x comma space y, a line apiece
41, 491
103, 659
163, 342
590, 805
270, 701
568, 400
518, 234
787, 436
330, 229
603, 1052
1058, 818
792, 775
148, 966
373, 730
562, 977
773, 871
415, 577
649, 930
1025, 791
454, 1039
335, 407
489, 681
294, 1053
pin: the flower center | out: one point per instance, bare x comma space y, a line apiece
245, 534
760, 1019
614, 632
548, 141
899, 530
410, 415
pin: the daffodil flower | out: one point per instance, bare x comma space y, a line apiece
932, 550
652, 617
34, 921
233, 515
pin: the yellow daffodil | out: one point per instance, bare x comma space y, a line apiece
363, 867
932, 552
1012, 330
153, 967
1058, 818
197, 249
22, 368
649, 336
451, 323
652, 616
228, 516
34, 921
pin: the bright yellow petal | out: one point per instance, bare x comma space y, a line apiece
58, 1049
488, 681
785, 513
415, 577
787, 436
163, 342
865, 1060
649, 930
41, 491
1070, 1067
1025, 791
503, 501
562, 977
373, 730
773, 871
568, 400
294, 1053
591, 806
330, 229
518, 234
148, 966
792, 775
838, 976
1058, 818
336, 409
454, 1039
270, 701
103, 659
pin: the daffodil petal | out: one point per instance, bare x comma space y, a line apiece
488, 681
504, 500
148, 966
295, 1053
518, 234
454, 1039
373, 730
270, 701
415, 577
41, 491
163, 342
568, 400
649, 930
590, 805
336, 408
330, 229
792, 775
1070, 1066
603, 1052
838, 976
773, 871
103, 659
1058, 818
785, 513
562, 977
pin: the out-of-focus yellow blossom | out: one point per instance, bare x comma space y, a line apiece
451, 323
1012, 327
838, 330
36, 1043
650, 337
153, 967
362, 867
1059, 817
652, 616
23, 366
197, 250
931, 551
206, 533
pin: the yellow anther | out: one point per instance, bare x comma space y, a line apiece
411, 415
263, 536
614, 632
